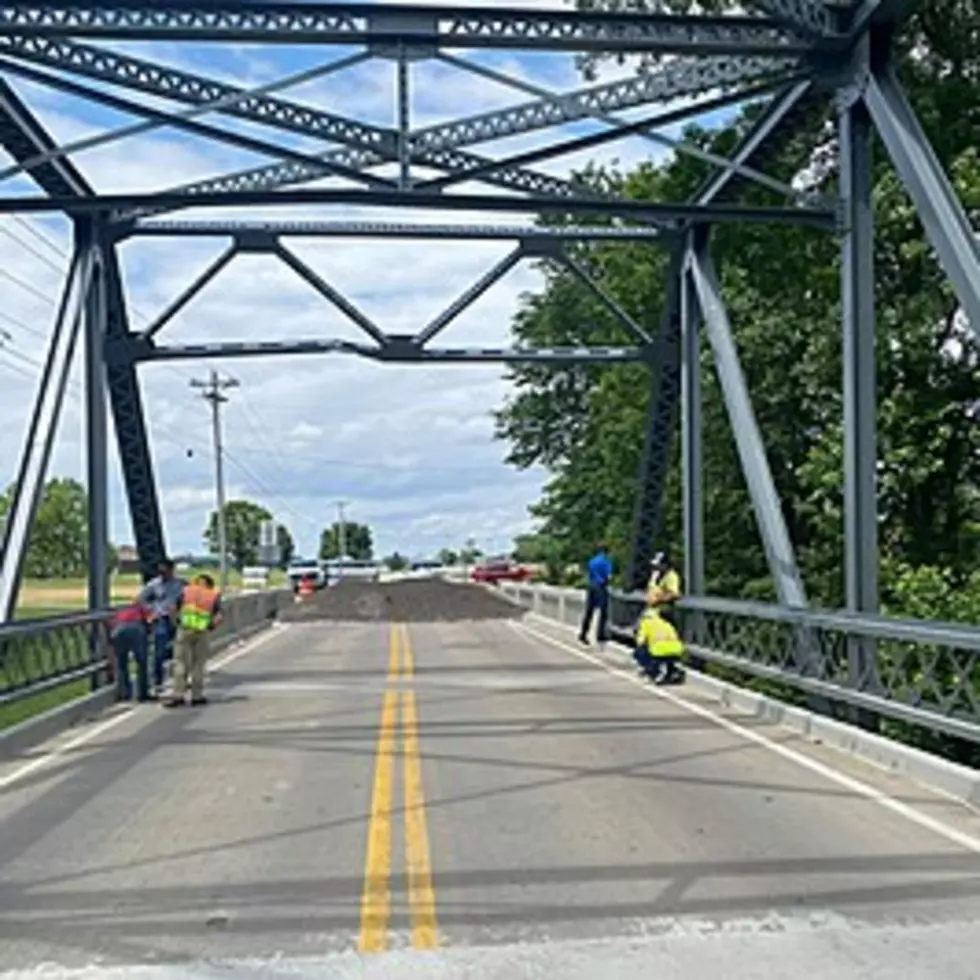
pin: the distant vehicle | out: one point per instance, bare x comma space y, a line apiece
255, 577
425, 565
306, 568
351, 568
500, 570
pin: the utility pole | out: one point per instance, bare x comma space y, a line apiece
212, 391
341, 537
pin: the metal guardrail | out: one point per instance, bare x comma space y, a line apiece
918, 672
42, 654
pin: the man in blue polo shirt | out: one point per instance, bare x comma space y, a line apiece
600, 571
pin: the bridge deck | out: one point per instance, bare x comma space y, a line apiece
563, 804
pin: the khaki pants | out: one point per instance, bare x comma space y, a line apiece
191, 654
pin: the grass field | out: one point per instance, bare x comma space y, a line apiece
50, 597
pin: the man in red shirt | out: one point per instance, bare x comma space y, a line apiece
128, 634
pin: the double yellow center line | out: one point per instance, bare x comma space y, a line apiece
376, 899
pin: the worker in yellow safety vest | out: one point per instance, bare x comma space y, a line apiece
198, 612
658, 645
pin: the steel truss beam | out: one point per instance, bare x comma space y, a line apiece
96, 421
43, 426
132, 435
468, 297
23, 137
328, 292
462, 27
658, 139
247, 230
611, 304
190, 292
692, 435
810, 18
776, 113
751, 450
860, 385
397, 350
188, 125
813, 217
578, 144
435, 146
365, 145
945, 221
134, 129
661, 416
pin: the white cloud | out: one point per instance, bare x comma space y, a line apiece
410, 448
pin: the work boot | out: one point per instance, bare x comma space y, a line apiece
196, 702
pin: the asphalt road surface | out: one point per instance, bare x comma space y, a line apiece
469, 800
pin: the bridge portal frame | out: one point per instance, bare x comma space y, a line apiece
802, 55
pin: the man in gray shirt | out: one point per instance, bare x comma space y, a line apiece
161, 597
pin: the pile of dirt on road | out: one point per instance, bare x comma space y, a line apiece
412, 601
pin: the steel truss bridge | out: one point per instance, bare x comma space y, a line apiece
803, 59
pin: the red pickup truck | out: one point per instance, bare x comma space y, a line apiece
500, 570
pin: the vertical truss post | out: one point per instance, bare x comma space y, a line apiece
96, 422
692, 427
945, 221
129, 421
860, 402
404, 121
748, 439
692, 450
42, 429
661, 417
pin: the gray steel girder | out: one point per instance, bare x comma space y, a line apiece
438, 146
462, 27
366, 145
681, 78
23, 137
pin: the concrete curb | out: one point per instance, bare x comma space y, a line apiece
28, 734
949, 778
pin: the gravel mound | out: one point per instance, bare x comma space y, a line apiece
411, 601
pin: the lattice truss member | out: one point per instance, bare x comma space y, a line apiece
804, 59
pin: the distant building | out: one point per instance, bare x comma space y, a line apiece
127, 560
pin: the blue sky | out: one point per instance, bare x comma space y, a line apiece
409, 449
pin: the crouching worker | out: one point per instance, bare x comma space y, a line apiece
128, 635
199, 612
657, 649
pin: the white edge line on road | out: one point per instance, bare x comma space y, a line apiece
90, 733
910, 813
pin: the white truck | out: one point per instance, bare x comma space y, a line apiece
306, 568
342, 569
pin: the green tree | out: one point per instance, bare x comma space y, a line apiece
448, 557
287, 546
243, 520
396, 562
782, 289
358, 541
58, 541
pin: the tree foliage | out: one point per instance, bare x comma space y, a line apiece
58, 542
782, 289
396, 562
243, 521
358, 541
